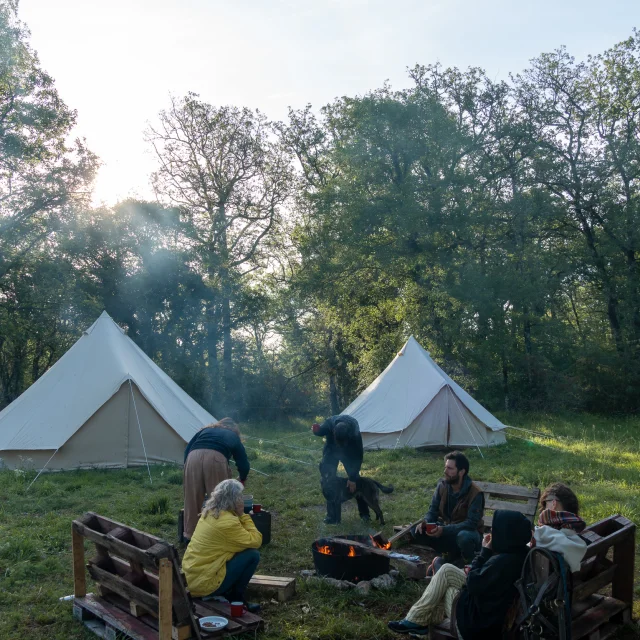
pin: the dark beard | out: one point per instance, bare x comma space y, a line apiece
452, 480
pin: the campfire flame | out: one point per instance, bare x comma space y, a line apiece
326, 550
386, 545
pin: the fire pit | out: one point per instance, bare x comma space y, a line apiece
348, 562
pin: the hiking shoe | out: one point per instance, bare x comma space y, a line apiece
252, 607
404, 626
331, 521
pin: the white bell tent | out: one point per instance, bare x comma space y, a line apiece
103, 404
414, 403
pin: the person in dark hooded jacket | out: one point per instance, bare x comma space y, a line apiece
343, 444
485, 595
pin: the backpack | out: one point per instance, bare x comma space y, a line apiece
545, 597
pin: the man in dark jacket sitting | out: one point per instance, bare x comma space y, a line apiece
343, 444
457, 507
483, 598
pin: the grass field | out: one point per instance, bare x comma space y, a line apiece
599, 458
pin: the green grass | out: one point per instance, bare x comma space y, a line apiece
599, 458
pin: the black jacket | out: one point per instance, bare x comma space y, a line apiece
226, 442
490, 591
352, 452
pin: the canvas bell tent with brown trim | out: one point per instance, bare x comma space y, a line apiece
414, 403
105, 403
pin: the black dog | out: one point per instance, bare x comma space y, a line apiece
334, 488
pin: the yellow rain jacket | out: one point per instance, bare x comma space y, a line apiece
214, 542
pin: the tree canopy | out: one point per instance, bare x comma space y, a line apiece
284, 263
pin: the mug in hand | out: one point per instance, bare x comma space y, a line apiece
430, 527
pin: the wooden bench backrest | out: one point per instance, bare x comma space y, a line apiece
136, 566
506, 496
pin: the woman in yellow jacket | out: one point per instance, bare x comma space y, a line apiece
223, 552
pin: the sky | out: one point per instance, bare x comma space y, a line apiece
117, 61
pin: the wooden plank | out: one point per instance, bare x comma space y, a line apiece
165, 599
403, 532
116, 618
624, 555
593, 618
120, 548
178, 632
354, 543
181, 603
285, 588
202, 610
410, 569
142, 539
607, 542
521, 507
578, 608
122, 587
181, 633
583, 589
184, 599
79, 577
508, 491
275, 580
223, 609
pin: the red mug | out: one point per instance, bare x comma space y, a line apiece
315, 427
237, 609
431, 527
257, 508
467, 568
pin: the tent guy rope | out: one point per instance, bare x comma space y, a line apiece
140, 429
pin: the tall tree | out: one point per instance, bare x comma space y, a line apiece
41, 174
230, 178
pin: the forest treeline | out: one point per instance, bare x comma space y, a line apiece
283, 264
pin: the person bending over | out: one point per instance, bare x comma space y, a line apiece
458, 508
206, 463
343, 444
223, 553
559, 524
479, 601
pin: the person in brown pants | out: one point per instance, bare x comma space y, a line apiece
206, 464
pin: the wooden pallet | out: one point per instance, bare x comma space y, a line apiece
248, 622
283, 588
607, 564
140, 591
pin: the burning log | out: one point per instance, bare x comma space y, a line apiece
411, 570
351, 559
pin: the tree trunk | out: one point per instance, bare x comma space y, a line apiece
333, 393
610, 297
212, 355
332, 365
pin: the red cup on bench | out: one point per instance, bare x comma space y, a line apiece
431, 527
237, 609
257, 508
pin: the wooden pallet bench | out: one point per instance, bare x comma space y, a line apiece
140, 591
608, 566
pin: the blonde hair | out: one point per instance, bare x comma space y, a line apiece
223, 498
225, 423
